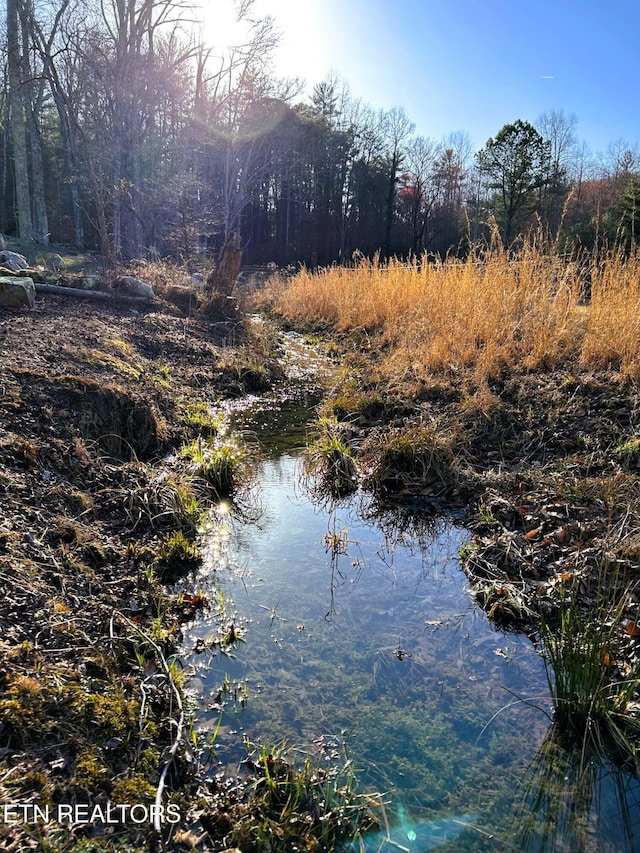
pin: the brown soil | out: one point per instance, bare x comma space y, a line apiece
545, 466
93, 398
559, 510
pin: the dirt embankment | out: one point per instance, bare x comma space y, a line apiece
545, 465
94, 514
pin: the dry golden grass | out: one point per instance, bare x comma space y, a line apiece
612, 336
489, 313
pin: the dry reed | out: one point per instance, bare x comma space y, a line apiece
612, 337
492, 312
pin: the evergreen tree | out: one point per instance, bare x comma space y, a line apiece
515, 165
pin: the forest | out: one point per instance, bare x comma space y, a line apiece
123, 133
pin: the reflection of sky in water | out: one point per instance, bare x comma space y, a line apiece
381, 649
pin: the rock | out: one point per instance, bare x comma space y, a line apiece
90, 281
132, 286
184, 298
56, 263
17, 292
13, 261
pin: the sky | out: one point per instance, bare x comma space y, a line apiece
466, 65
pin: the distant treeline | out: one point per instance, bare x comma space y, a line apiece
122, 133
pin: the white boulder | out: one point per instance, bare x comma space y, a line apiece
133, 286
13, 261
17, 292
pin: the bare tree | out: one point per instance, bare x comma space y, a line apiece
418, 191
247, 106
620, 161
396, 129
55, 40
18, 123
558, 129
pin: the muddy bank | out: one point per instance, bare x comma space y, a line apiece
99, 506
543, 465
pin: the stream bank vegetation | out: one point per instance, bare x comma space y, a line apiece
111, 458
507, 383
294, 802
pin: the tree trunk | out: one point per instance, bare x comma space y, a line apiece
69, 153
66, 116
32, 103
18, 130
6, 192
390, 205
40, 220
223, 278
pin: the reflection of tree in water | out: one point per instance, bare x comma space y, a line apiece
576, 802
403, 525
406, 526
336, 543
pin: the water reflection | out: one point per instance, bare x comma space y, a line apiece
576, 803
359, 631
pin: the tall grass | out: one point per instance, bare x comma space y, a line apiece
612, 336
566, 797
590, 701
493, 311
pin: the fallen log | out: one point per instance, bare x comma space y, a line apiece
57, 290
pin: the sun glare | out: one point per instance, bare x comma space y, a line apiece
305, 29
220, 26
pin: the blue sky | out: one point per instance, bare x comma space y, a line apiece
474, 66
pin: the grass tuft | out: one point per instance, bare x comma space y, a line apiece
219, 462
310, 806
412, 460
591, 690
329, 464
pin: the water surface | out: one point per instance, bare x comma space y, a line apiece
361, 641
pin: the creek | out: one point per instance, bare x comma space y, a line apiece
356, 638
